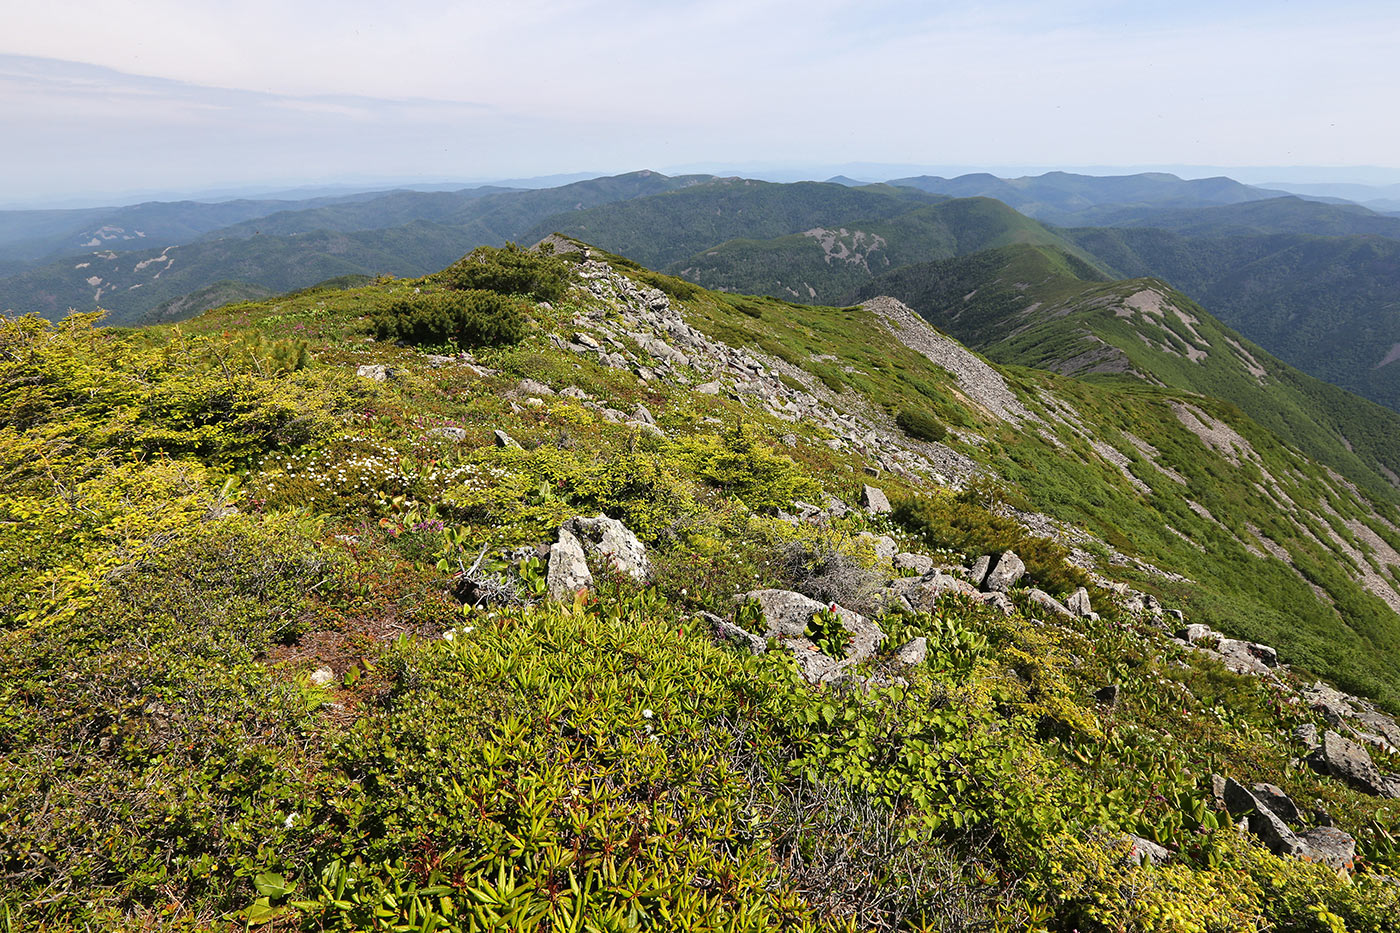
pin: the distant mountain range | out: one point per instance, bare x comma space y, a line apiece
1311, 278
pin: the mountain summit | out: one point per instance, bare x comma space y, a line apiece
548, 591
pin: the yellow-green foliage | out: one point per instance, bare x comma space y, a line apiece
560, 765
740, 464
964, 522
604, 764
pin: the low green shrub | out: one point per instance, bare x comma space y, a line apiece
509, 270
920, 424
746, 467
472, 318
961, 522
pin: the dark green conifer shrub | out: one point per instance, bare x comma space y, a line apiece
474, 318
509, 270
920, 424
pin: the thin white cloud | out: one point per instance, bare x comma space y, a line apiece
475, 89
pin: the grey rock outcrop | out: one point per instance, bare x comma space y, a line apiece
919, 563
977, 573
874, 500
923, 592
1005, 573
567, 572
1306, 734
533, 388
1330, 846
1334, 705
736, 634
1262, 821
1345, 760
505, 440
608, 539
913, 652
884, 546
1276, 800
1046, 601
452, 434
999, 601
1146, 852
375, 372
787, 615
1078, 603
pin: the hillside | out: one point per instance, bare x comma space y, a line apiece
1066, 198
1324, 304
30, 237
1252, 218
488, 217
394, 233
1040, 307
640, 606
830, 264
667, 228
129, 285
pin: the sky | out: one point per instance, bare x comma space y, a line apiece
127, 96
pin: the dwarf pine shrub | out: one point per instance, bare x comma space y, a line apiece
472, 318
509, 270
920, 424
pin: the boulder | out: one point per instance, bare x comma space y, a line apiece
375, 372
874, 500
1242, 657
1146, 852
1334, 705
710, 388
1276, 800
1262, 822
1045, 600
1107, 696
923, 592
836, 508
884, 546
1196, 632
1330, 846
1079, 604
1306, 734
787, 615
1382, 725
912, 652
1005, 573
531, 387
452, 434
735, 634
978, 571
1345, 760
568, 571
643, 415
998, 601
919, 563
609, 539
321, 677
505, 440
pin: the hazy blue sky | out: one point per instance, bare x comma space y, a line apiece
128, 95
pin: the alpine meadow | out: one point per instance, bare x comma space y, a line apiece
955, 489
